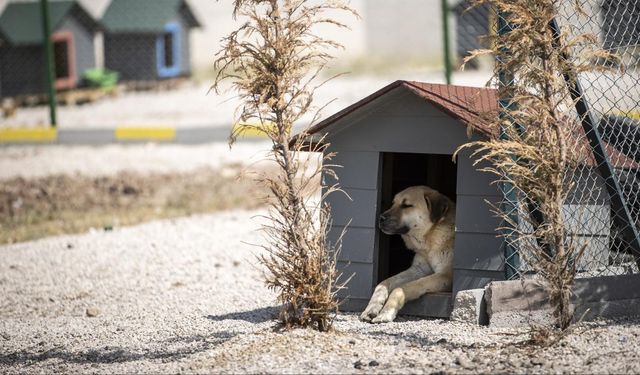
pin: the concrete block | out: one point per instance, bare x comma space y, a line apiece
513, 303
469, 306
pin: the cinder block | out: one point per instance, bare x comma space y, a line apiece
469, 306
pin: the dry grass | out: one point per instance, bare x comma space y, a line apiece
273, 61
36, 208
541, 150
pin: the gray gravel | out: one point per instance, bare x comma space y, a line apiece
40, 161
185, 296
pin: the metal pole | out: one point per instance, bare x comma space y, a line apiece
445, 44
509, 204
48, 56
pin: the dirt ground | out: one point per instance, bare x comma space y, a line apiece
61, 204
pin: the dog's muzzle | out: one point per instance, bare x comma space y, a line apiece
390, 225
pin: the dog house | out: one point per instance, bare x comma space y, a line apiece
147, 40
22, 68
403, 135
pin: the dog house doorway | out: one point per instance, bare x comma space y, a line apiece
400, 171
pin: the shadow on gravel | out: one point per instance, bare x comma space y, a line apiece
261, 315
423, 340
169, 350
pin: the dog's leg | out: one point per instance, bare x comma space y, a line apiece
381, 292
438, 282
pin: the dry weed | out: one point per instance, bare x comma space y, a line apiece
273, 60
540, 148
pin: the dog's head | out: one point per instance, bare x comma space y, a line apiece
415, 208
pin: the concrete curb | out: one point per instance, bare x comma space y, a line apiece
121, 134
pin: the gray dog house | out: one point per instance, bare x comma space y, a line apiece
22, 70
403, 135
148, 40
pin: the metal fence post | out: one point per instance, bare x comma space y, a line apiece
48, 52
509, 201
445, 42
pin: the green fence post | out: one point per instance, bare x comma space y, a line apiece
509, 204
445, 41
48, 55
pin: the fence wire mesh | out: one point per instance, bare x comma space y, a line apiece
602, 210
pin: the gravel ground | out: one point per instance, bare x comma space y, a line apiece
193, 105
185, 296
40, 161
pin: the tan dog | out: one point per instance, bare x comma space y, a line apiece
426, 221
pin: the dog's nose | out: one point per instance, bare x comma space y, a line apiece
383, 218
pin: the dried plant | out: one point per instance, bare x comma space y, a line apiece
273, 60
540, 148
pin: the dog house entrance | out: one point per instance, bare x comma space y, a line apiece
400, 171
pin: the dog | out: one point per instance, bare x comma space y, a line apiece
425, 219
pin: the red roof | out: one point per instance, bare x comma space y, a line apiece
467, 104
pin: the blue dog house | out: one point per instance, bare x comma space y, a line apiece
147, 40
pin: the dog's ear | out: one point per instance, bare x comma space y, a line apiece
438, 206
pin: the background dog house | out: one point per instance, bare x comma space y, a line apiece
148, 40
405, 134
22, 71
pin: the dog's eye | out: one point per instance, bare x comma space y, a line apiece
405, 205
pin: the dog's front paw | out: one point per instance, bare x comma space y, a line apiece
385, 316
371, 312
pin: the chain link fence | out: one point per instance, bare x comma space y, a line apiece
602, 210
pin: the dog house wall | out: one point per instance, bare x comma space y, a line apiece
402, 122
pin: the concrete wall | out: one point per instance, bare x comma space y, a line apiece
403, 30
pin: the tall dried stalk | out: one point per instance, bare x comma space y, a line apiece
542, 148
273, 60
